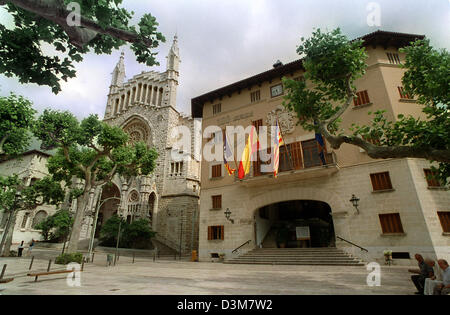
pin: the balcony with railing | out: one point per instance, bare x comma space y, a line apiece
297, 161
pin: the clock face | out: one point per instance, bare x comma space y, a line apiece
276, 90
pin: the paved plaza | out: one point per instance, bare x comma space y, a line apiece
201, 278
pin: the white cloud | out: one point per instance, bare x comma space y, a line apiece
225, 41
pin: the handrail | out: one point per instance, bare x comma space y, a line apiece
236, 249
342, 239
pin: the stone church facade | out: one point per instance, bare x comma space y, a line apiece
145, 107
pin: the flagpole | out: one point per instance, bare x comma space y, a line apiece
285, 144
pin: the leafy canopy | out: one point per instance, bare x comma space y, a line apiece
16, 118
91, 150
105, 26
56, 226
332, 63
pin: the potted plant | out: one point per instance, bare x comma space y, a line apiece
388, 256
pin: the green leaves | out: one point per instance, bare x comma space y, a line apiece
56, 226
332, 63
16, 118
21, 52
91, 150
8, 189
133, 235
330, 59
55, 127
428, 73
43, 191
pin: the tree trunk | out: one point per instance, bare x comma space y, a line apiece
9, 235
82, 202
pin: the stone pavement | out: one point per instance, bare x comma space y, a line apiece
202, 278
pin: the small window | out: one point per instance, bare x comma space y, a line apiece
217, 202
391, 223
217, 109
393, 58
25, 220
403, 94
400, 255
255, 96
362, 98
444, 217
216, 171
381, 181
215, 232
432, 178
176, 168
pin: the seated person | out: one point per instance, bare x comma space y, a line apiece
444, 287
430, 283
422, 273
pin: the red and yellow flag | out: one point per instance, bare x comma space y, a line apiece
250, 147
277, 142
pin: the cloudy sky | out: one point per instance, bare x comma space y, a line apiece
228, 40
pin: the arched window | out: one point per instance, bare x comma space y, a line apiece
25, 220
39, 217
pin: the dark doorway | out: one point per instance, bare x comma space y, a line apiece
109, 207
280, 224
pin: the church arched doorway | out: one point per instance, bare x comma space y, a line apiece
293, 224
109, 207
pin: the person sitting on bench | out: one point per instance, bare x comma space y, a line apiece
444, 287
424, 271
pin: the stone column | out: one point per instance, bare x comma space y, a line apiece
144, 98
158, 96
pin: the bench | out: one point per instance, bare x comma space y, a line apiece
6, 280
38, 274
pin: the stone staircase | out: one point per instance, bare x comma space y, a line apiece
297, 256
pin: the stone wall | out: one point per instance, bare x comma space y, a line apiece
422, 233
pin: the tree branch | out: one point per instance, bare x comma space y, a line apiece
385, 152
67, 156
350, 96
108, 177
55, 11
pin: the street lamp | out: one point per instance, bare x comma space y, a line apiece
228, 214
118, 237
97, 210
355, 201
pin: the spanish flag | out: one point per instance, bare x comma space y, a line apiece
277, 142
250, 147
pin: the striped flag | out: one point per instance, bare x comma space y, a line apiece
227, 155
250, 147
321, 142
277, 142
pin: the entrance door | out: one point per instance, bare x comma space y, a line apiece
281, 221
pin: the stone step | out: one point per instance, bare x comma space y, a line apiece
296, 256
308, 263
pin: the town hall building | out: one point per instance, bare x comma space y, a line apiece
399, 208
